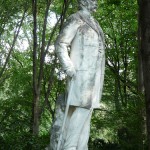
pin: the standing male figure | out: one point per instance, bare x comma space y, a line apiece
85, 69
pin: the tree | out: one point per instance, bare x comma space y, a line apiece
144, 26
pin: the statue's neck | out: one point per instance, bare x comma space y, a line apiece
85, 12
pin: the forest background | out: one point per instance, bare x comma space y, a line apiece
31, 79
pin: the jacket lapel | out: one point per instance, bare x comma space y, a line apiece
95, 26
89, 22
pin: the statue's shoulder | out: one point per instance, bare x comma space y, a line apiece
73, 20
74, 17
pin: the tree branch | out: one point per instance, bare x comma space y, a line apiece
13, 44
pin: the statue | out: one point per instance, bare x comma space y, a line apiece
83, 37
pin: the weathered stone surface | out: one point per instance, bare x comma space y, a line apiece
84, 66
57, 124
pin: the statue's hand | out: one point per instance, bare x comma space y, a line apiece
71, 71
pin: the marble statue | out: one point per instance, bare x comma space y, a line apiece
80, 50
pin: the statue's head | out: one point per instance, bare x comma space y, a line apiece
90, 5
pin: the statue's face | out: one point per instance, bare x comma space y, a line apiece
90, 5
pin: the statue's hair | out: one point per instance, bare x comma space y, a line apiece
82, 3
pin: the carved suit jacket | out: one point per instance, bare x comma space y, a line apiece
85, 39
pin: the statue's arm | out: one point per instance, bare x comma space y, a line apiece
64, 41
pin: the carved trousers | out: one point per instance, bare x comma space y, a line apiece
77, 128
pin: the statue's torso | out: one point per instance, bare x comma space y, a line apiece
87, 52
86, 47
86, 42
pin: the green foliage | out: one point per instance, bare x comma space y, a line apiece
121, 119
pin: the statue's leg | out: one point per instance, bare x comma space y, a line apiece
85, 133
78, 121
70, 112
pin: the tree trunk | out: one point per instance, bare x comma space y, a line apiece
144, 22
38, 69
35, 107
